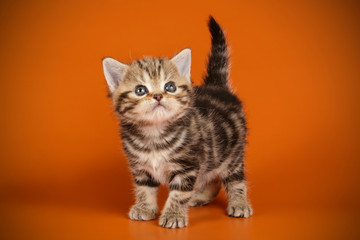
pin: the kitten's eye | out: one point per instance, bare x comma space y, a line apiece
170, 87
141, 90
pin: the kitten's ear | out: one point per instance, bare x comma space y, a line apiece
114, 71
183, 62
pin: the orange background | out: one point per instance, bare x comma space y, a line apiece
295, 65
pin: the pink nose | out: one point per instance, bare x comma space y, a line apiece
158, 96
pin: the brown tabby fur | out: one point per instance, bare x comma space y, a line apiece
193, 142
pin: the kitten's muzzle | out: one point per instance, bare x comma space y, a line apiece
158, 96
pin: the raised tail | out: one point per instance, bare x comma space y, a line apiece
218, 63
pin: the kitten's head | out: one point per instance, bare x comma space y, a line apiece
150, 90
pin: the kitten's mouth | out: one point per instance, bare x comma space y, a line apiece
159, 106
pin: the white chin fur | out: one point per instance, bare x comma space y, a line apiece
157, 114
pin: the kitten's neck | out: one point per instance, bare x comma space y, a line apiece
154, 130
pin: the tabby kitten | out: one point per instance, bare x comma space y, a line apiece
191, 138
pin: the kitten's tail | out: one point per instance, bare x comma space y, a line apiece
218, 63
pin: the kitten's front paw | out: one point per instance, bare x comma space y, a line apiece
242, 210
142, 213
173, 220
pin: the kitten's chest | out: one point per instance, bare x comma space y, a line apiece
155, 150
157, 163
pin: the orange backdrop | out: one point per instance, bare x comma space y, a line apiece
295, 65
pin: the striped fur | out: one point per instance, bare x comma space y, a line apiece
193, 143
218, 63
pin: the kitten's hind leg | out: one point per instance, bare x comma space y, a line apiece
235, 187
206, 194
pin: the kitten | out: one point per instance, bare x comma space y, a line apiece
191, 138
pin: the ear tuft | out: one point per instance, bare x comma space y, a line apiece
114, 71
183, 62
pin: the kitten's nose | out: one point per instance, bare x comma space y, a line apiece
158, 96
